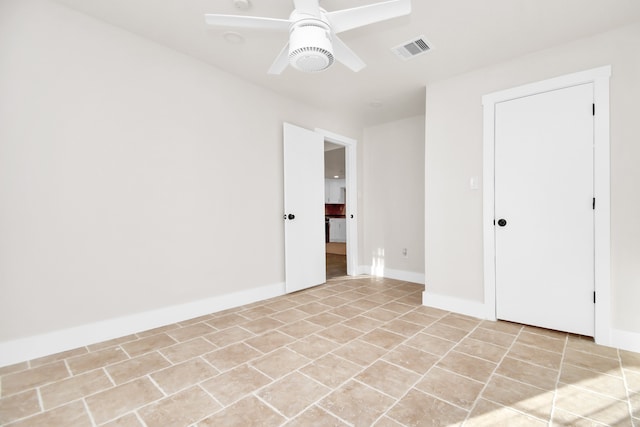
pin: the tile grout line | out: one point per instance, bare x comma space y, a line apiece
488, 380
557, 383
626, 387
421, 377
89, 414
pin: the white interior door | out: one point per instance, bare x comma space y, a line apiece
544, 233
305, 262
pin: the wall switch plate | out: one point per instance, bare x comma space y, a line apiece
474, 183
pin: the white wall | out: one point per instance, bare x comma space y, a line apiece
393, 199
132, 177
454, 154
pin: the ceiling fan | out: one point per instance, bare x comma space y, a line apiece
313, 44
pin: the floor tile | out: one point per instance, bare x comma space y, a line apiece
313, 347
363, 323
260, 326
235, 384
249, 411
16, 367
587, 345
60, 356
279, 363
592, 362
148, 344
431, 344
228, 336
541, 341
382, 338
71, 415
181, 409
489, 414
456, 321
387, 378
18, 406
30, 378
630, 361
137, 367
115, 402
293, 394
593, 406
357, 404
609, 385
411, 358
183, 375
269, 341
231, 356
187, 350
340, 334
387, 422
67, 390
325, 319
189, 332
537, 356
316, 417
444, 331
331, 370
403, 328
420, 409
450, 387
129, 420
289, 316
499, 338
300, 329
468, 366
528, 373
360, 352
522, 397
227, 321
501, 326
481, 349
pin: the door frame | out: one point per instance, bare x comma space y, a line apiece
601, 186
351, 183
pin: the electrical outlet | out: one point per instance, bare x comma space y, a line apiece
405, 253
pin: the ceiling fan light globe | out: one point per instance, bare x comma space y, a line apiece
310, 48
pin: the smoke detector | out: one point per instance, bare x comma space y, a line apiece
242, 4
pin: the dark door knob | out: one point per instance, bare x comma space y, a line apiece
502, 222
291, 216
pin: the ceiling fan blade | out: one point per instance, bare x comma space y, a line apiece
308, 7
253, 22
345, 55
281, 62
348, 19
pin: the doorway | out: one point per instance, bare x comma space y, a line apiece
349, 191
596, 84
335, 192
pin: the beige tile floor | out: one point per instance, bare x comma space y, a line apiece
356, 351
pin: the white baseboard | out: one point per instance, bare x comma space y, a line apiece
33, 347
456, 305
625, 340
407, 276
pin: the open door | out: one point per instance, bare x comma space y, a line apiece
303, 208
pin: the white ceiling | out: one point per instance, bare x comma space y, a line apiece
464, 35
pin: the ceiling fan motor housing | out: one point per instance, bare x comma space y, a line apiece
310, 48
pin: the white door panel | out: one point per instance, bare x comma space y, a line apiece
544, 191
305, 262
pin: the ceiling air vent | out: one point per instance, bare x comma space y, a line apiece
411, 48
